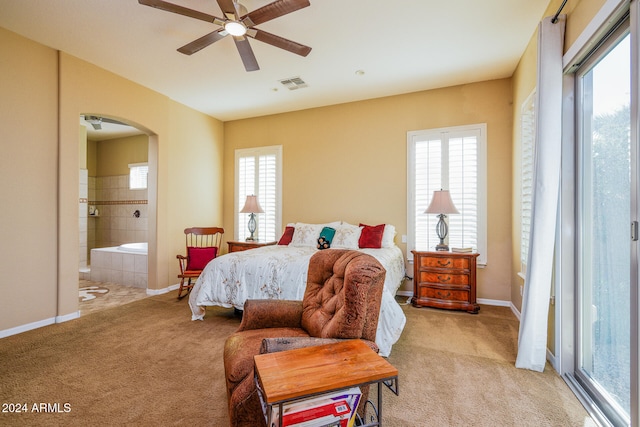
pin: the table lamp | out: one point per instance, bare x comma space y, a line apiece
441, 204
252, 207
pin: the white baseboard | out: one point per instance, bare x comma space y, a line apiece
496, 302
485, 301
29, 326
515, 311
163, 290
39, 324
67, 317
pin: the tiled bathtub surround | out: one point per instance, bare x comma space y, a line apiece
117, 221
117, 266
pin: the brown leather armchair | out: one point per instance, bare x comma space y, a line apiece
341, 301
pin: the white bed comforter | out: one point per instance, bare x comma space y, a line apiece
280, 272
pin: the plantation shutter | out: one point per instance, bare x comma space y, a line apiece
257, 173
526, 190
428, 178
138, 176
463, 187
267, 197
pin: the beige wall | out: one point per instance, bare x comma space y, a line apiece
349, 162
29, 173
41, 160
113, 156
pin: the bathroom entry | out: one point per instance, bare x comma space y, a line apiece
113, 201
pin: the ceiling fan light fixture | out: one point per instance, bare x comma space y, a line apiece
235, 28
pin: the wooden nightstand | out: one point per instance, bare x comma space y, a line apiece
445, 280
237, 246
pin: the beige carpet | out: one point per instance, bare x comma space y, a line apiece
147, 363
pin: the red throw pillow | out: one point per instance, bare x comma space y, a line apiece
286, 236
371, 236
198, 258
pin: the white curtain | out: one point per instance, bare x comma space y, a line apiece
532, 338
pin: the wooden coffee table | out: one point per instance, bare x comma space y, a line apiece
291, 375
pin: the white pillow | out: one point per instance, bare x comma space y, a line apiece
388, 236
306, 235
346, 237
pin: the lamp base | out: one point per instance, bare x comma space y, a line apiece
442, 247
250, 239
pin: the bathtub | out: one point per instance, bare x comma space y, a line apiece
136, 248
125, 264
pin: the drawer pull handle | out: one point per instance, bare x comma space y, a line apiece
443, 294
443, 279
444, 264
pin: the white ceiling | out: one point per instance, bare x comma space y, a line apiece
401, 46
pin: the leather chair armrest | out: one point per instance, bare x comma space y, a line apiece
267, 313
274, 345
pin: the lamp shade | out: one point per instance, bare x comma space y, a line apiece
251, 205
441, 203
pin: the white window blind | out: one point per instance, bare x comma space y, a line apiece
528, 134
453, 159
138, 176
259, 172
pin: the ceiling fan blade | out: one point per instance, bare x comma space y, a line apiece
228, 8
246, 53
113, 121
282, 43
181, 10
202, 42
274, 10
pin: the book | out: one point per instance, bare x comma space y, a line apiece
334, 409
461, 249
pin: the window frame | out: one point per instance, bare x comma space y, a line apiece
480, 131
133, 168
256, 152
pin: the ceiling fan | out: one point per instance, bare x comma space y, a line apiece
96, 121
239, 25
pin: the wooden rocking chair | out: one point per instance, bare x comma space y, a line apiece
203, 245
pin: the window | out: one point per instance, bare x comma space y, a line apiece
527, 136
138, 176
453, 159
259, 172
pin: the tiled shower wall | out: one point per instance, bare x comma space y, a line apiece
116, 222
83, 220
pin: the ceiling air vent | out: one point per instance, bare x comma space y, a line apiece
294, 83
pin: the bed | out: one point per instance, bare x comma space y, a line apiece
280, 272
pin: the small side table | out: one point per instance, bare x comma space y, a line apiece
292, 375
445, 279
237, 246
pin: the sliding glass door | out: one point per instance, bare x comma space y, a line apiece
604, 202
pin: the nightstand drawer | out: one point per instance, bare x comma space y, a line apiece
445, 262
444, 278
444, 294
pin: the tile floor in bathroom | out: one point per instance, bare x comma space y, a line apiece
99, 299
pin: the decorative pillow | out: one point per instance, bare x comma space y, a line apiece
371, 236
326, 236
305, 235
286, 236
347, 236
198, 258
388, 236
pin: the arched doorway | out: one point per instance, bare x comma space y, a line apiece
114, 224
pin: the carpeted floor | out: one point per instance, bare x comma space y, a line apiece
147, 363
